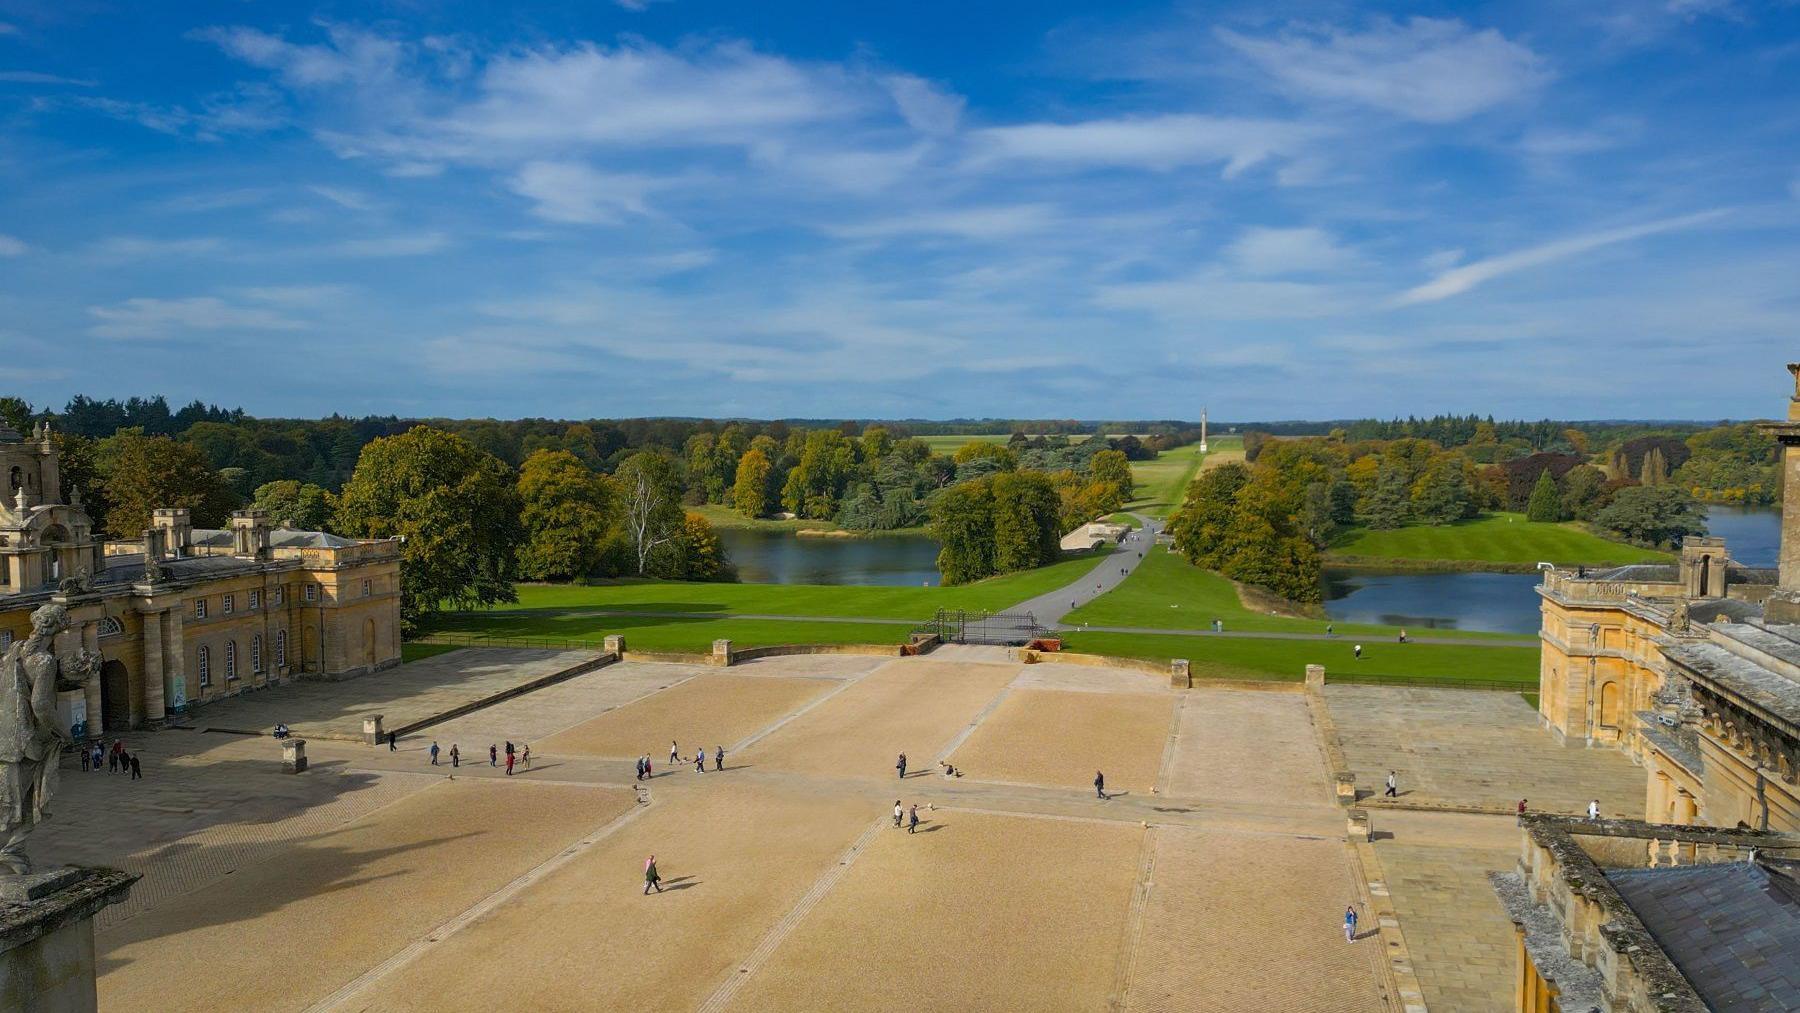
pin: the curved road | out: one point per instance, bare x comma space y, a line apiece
1049, 608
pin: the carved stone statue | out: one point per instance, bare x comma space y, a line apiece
1678, 618
30, 736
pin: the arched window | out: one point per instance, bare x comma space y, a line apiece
1609, 705
230, 660
280, 648
205, 665
256, 655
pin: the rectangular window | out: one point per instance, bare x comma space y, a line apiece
205, 665
227, 609
199, 608
365, 588
275, 597
280, 648
230, 660
312, 592
255, 600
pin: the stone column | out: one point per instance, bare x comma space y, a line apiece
90, 639
721, 652
1315, 676
1179, 675
175, 664
153, 666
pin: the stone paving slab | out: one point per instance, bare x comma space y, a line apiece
734, 861
1221, 728
703, 712
537, 715
1267, 913
1060, 737
308, 914
404, 695
973, 912
1466, 747
913, 706
826, 666
1091, 679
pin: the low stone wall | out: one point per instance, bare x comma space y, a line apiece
1029, 657
669, 657
783, 650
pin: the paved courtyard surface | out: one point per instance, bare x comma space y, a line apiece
375, 881
403, 695
1463, 747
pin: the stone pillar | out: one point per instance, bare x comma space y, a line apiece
1346, 787
1788, 435
90, 639
372, 733
175, 664
153, 666
47, 937
1315, 676
293, 755
1359, 827
1179, 677
615, 644
722, 653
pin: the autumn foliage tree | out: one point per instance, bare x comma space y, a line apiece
143, 473
568, 512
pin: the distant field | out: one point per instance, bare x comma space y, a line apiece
950, 443
1160, 484
1501, 538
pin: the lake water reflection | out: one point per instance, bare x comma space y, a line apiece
1505, 602
780, 557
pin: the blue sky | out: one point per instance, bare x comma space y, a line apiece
1122, 210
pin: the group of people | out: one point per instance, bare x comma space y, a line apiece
675, 757
117, 760
515, 755
910, 817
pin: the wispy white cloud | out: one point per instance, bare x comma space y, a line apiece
148, 318
248, 109
1267, 251
1458, 280
579, 194
998, 222
345, 197
12, 246
35, 77
148, 248
1427, 69
1160, 143
296, 296
926, 107
8, 29
403, 245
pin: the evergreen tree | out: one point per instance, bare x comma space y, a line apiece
1545, 505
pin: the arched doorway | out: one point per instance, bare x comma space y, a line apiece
1609, 705
369, 642
115, 696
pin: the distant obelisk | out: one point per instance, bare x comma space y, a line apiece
1203, 430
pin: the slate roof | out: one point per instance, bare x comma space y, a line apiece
1731, 610
289, 538
1732, 929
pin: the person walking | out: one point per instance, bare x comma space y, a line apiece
651, 877
137, 769
1350, 924
718, 757
640, 767
674, 754
1594, 810
1521, 807
509, 764
392, 737
99, 750
525, 757
1099, 784
899, 813
912, 820
1357, 650
699, 761
510, 751
1403, 636
900, 765
1392, 786
434, 752
493, 755
455, 757
112, 759
85, 756
1328, 629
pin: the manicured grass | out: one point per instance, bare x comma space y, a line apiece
653, 633
417, 652
950, 443
1502, 538
720, 516
1158, 485
1166, 592
1126, 519
1286, 660
994, 594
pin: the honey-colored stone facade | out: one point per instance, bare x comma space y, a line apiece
183, 616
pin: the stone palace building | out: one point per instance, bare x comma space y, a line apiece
185, 615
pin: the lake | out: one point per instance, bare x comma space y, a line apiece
1505, 602
781, 557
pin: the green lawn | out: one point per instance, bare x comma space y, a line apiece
994, 594
950, 443
1158, 485
1501, 538
1166, 592
1286, 660
721, 516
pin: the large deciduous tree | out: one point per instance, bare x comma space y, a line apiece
295, 504
1113, 468
143, 473
1027, 521
750, 491
568, 511
654, 520
962, 521
1655, 515
455, 506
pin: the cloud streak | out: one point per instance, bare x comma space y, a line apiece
1458, 280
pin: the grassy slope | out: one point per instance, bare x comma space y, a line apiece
1506, 538
948, 444
1126, 519
1167, 592
1158, 485
1228, 657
